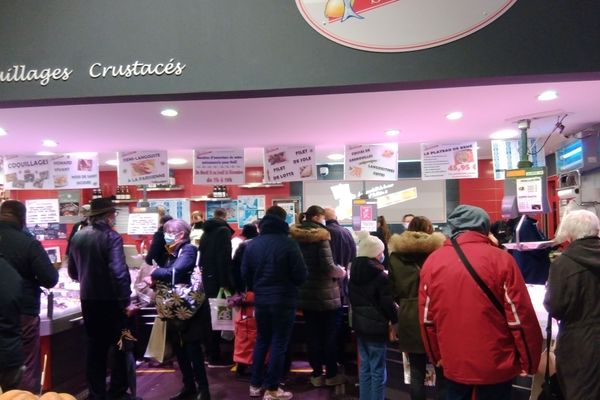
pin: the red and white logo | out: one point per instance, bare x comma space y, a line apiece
399, 25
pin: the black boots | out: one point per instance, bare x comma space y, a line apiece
187, 393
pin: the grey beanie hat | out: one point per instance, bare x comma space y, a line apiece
469, 218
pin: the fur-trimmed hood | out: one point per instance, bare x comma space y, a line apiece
309, 233
415, 242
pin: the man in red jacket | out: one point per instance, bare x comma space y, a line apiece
480, 345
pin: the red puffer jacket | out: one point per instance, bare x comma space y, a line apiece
461, 327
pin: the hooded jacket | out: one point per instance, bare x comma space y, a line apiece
460, 325
215, 256
408, 252
272, 265
320, 292
373, 307
572, 297
29, 259
97, 261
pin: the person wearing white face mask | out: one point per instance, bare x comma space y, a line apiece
319, 296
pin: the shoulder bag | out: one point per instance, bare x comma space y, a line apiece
477, 278
550, 387
180, 301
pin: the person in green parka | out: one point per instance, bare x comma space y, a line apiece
408, 252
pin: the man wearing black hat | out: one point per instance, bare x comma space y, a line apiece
29, 259
97, 261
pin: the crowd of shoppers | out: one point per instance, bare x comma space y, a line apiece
432, 297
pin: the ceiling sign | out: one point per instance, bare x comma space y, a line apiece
399, 25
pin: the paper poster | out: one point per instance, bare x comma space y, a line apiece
285, 164
221, 166
23, 172
250, 208
529, 194
42, 211
69, 202
371, 162
230, 207
142, 223
143, 167
75, 171
176, 208
364, 215
506, 155
122, 220
49, 231
449, 161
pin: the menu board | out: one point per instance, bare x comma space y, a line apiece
219, 166
23, 172
75, 171
42, 211
449, 161
142, 223
285, 164
371, 162
507, 153
143, 167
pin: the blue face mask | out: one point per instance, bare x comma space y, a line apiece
381, 258
170, 238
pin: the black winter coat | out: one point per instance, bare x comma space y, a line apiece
215, 256
11, 288
371, 301
157, 251
320, 292
272, 265
97, 261
28, 257
572, 297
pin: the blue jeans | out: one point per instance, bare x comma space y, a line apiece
372, 373
274, 327
459, 391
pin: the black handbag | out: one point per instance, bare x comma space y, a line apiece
550, 387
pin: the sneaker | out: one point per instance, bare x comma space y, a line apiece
339, 379
278, 394
255, 391
317, 381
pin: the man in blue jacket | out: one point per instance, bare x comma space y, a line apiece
29, 259
274, 269
97, 261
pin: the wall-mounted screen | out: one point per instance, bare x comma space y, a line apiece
394, 199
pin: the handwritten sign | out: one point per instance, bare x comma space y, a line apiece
371, 162
285, 164
42, 211
142, 223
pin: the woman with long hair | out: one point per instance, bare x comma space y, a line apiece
409, 251
319, 296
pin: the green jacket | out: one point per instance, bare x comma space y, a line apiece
408, 252
320, 292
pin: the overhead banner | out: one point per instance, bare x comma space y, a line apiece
219, 166
25, 172
507, 153
143, 167
371, 162
449, 161
285, 164
75, 171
